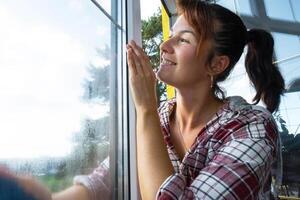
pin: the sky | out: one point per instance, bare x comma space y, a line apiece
45, 48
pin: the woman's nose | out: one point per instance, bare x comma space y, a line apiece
167, 46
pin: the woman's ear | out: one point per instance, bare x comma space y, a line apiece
219, 64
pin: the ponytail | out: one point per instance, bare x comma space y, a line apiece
265, 76
229, 35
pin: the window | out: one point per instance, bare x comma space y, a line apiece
244, 7
62, 89
230, 4
283, 10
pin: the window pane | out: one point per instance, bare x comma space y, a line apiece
286, 45
287, 48
288, 53
105, 4
279, 10
295, 4
244, 7
228, 4
54, 82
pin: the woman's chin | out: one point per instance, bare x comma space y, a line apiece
164, 77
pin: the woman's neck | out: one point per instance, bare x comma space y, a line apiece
194, 109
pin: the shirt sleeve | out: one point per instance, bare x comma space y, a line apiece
238, 170
98, 182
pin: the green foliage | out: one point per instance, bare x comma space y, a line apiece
152, 37
151, 40
56, 184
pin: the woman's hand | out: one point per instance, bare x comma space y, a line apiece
142, 78
34, 188
28, 184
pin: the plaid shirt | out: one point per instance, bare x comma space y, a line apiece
230, 159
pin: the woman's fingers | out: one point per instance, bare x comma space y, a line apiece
142, 59
131, 62
138, 63
135, 60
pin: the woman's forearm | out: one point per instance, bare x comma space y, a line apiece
154, 165
76, 192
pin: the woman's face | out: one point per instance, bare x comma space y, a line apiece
180, 65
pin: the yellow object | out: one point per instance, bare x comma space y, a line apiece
166, 33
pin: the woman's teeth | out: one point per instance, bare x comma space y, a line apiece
168, 62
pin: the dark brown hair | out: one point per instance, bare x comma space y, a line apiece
229, 36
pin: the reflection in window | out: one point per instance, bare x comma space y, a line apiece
54, 82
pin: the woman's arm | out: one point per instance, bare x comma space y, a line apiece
154, 165
76, 192
41, 192
93, 186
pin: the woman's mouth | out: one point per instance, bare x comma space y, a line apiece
166, 62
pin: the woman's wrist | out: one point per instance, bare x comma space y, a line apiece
146, 112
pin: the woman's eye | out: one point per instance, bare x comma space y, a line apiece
184, 40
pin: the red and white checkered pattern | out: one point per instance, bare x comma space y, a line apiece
230, 159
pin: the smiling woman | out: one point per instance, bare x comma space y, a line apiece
68, 119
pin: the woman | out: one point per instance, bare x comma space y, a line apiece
199, 145
217, 148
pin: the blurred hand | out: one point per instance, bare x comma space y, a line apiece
34, 187
30, 185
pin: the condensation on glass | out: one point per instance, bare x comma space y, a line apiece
55, 63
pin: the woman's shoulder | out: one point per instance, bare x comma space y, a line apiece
239, 114
246, 119
240, 106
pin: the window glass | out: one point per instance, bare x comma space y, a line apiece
54, 81
295, 5
230, 4
287, 48
279, 10
105, 4
244, 7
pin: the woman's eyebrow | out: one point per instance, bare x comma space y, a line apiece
183, 31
